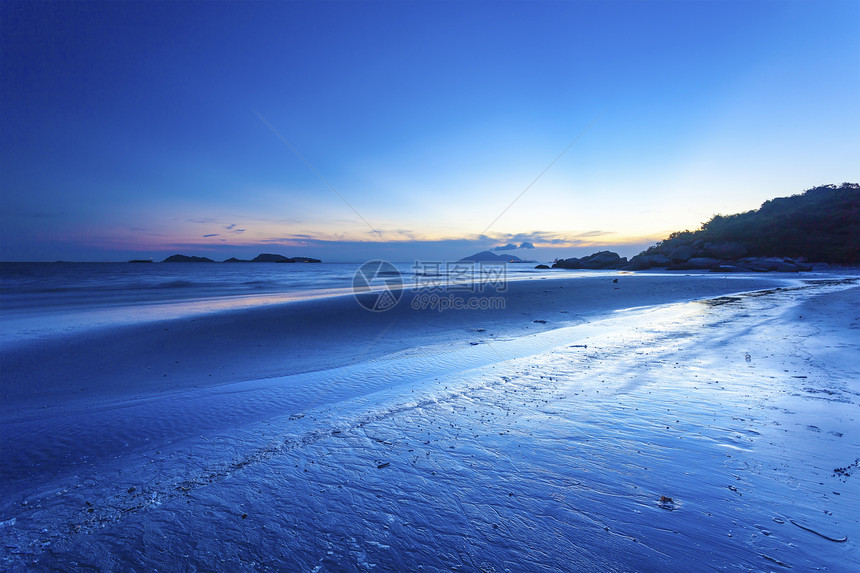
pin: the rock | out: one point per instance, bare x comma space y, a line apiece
801, 264
571, 263
660, 260
602, 260
667, 503
235, 260
187, 259
764, 265
696, 263
301, 260
787, 268
542, 267
726, 250
599, 260
757, 264
639, 263
682, 254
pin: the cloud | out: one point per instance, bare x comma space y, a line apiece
593, 234
539, 239
211, 235
512, 246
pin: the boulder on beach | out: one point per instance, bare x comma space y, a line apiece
599, 260
660, 261
763, 265
571, 263
603, 260
639, 263
682, 254
542, 267
696, 263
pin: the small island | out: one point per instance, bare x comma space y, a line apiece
261, 258
490, 257
187, 259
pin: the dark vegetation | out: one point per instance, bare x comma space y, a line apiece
820, 225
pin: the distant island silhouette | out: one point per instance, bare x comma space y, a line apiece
187, 259
261, 258
489, 257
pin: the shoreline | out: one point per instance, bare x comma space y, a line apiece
268, 341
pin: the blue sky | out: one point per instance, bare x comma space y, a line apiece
137, 130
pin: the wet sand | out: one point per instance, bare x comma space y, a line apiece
719, 434
283, 339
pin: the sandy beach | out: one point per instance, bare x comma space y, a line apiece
633, 422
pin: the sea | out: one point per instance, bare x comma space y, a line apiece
40, 299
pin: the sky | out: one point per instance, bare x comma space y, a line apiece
349, 131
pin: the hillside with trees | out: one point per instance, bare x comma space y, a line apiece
820, 225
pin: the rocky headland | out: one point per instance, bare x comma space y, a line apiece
816, 228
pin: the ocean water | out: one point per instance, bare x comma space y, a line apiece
41, 299
25, 286
71, 285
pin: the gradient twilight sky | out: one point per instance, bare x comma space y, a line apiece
137, 130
